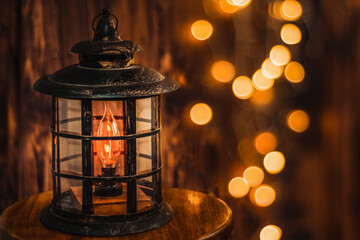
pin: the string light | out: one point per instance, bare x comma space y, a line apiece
270, 70
294, 72
280, 55
238, 187
201, 114
201, 29
259, 90
290, 34
223, 71
242, 87
265, 142
260, 82
274, 162
270, 232
297, 120
254, 176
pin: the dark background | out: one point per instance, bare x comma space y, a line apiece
318, 191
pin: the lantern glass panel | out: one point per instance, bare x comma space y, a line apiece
69, 116
70, 156
128, 146
70, 195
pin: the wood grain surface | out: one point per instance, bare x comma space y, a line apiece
196, 216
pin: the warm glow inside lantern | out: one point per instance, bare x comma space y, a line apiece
106, 139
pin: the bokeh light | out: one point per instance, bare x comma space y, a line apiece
297, 120
201, 29
291, 10
238, 187
223, 71
280, 55
265, 142
201, 114
263, 195
262, 98
274, 162
254, 176
275, 9
261, 82
290, 34
270, 70
228, 8
270, 232
242, 87
240, 3
294, 72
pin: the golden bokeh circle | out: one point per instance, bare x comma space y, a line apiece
201, 114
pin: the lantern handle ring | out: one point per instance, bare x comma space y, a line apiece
105, 15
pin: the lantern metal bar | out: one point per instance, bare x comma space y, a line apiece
159, 196
119, 179
144, 119
154, 143
74, 119
125, 217
145, 156
55, 149
86, 114
131, 155
88, 137
64, 159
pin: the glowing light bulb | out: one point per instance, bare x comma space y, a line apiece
108, 150
274, 162
291, 10
242, 87
280, 55
265, 142
238, 187
298, 121
254, 176
270, 232
261, 82
270, 70
290, 34
201, 113
294, 72
223, 71
201, 29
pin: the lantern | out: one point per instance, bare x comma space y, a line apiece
106, 164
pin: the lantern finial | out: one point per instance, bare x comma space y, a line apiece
106, 26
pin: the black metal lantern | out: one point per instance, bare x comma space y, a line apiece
106, 162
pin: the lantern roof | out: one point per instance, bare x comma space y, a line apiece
106, 69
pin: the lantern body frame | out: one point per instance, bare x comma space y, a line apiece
106, 73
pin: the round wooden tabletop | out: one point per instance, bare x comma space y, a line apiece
196, 216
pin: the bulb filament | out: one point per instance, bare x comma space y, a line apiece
108, 150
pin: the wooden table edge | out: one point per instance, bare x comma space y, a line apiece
222, 232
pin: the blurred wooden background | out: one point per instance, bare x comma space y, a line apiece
320, 194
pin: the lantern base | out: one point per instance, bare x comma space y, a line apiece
107, 226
